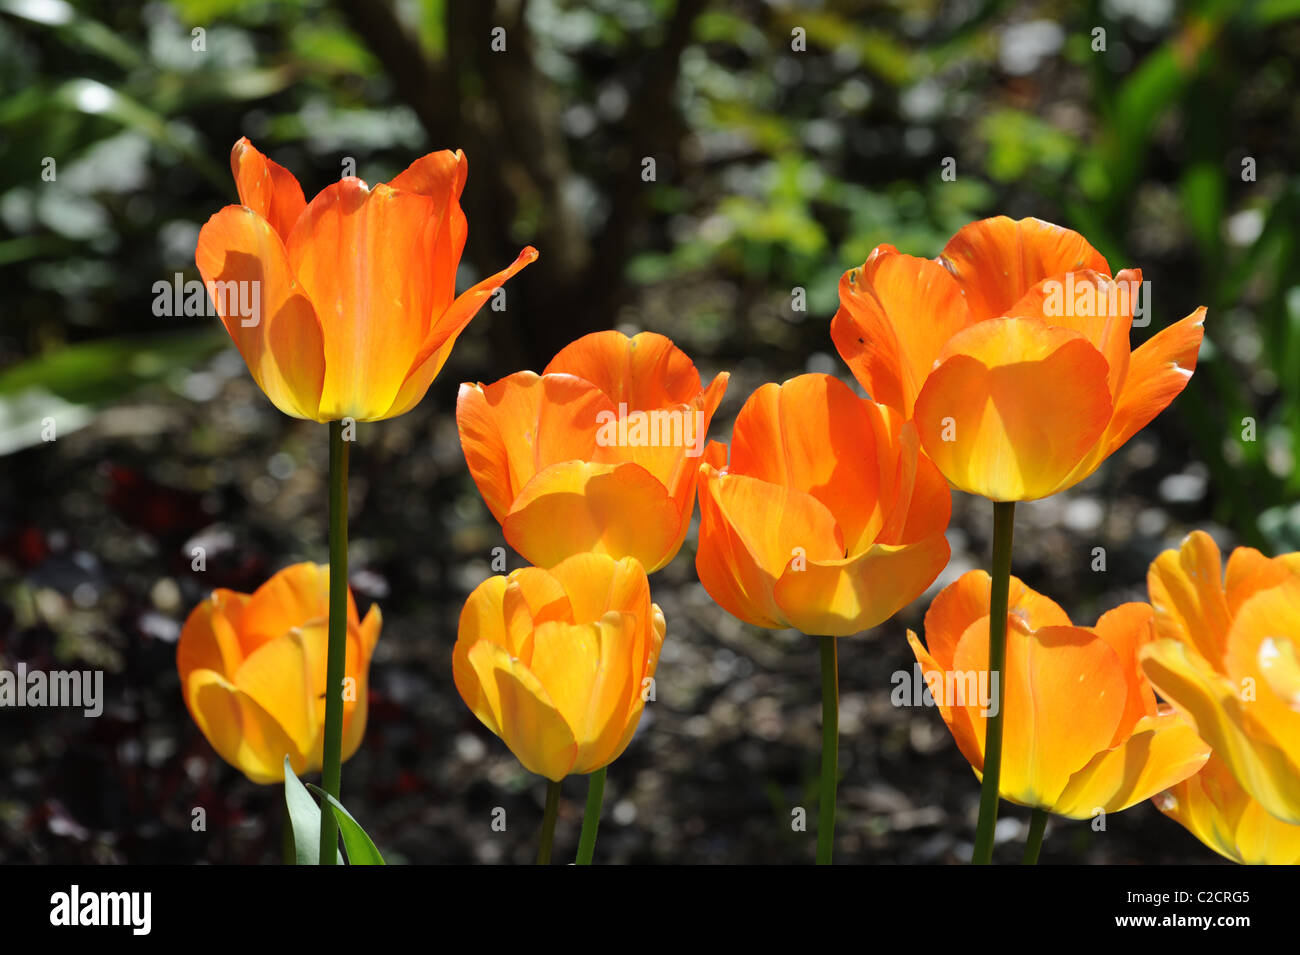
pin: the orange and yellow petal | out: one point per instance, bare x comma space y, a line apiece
750, 532
241, 731
364, 257
1013, 408
896, 312
268, 314
267, 188
1046, 739
444, 329
209, 639
1163, 750
842, 597
645, 371
523, 424
1212, 806
1096, 306
997, 261
1222, 717
441, 176
575, 506
517, 708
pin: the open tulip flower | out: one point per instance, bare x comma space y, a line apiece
828, 518
1083, 728
600, 453
345, 306
1212, 806
556, 662
1228, 657
1011, 352
252, 669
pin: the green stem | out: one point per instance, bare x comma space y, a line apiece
1004, 518
591, 816
547, 838
338, 639
1037, 825
830, 750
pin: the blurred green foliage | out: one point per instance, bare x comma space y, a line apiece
1169, 139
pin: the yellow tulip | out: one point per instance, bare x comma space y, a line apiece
1083, 729
557, 663
1213, 807
1228, 656
252, 669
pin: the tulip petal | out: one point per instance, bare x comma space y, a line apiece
950, 694
750, 531
1215, 809
967, 599
1163, 750
296, 595
1214, 705
1127, 629
363, 256
585, 671
1064, 695
596, 584
286, 678
996, 261
1013, 408
645, 371
1261, 654
441, 176
446, 328
242, 733
1187, 595
267, 313
209, 639
523, 424
841, 597
577, 506
267, 188
519, 710
812, 434
895, 314
1096, 306
1157, 373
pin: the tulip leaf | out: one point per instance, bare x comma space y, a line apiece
304, 818
361, 848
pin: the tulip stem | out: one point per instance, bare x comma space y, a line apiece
1004, 518
830, 750
338, 639
591, 816
547, 838
1037, 826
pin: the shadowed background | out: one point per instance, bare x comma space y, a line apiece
775, 170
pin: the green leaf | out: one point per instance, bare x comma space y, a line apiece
361, 849
304, 818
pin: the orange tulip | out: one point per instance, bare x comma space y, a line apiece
252, 671
1214, 808
828, 518
558, 663
1011, 352
1083, 731
344, 307
600, 453
1228, 657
